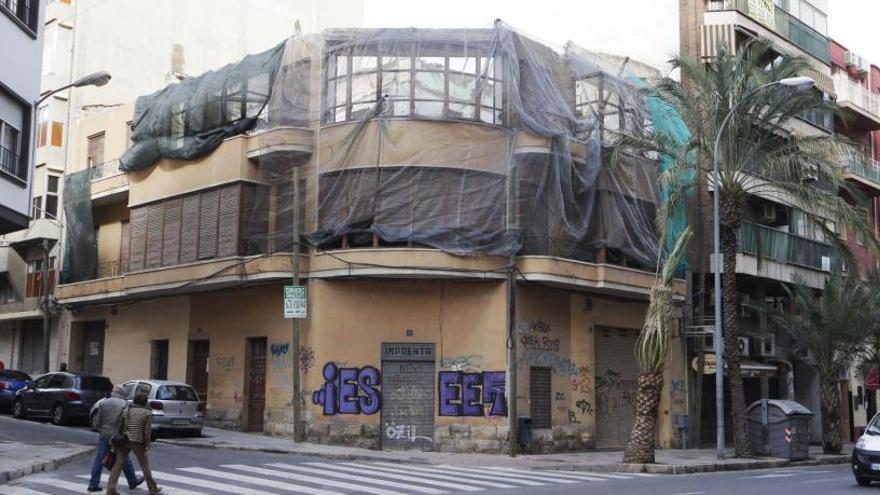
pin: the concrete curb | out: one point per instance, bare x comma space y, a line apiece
709, 467
46, 465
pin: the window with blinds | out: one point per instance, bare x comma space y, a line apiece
206, 225
540, 397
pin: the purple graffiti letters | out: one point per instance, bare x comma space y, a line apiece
466, 394
349, 390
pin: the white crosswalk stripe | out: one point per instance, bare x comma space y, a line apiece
165, 488
327, 478
310, 479
460, 476
444, 476
362, 479
518, 474
361, 470
259, 481
20, 490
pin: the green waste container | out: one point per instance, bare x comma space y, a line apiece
779, 428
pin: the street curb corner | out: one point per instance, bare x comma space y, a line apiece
45, 465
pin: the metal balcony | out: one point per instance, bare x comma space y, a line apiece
771, 244
852, 94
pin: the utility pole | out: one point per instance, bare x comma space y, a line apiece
511, 357
297, 407
46, 316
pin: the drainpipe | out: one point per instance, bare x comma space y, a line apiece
45, 304
297, 406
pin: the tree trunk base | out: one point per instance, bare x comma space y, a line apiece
640, 449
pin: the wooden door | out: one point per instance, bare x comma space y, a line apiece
256, 392
197, 367
93, 347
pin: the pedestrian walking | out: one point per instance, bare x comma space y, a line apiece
136, 425
106, 421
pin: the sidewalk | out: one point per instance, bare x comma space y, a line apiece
668, 461
21, 459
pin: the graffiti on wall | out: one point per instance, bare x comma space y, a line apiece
539, 357
536, 335
541, 349
462, 363
468, 394
349, 390
279, 355
404, 432
306, 358
679, 392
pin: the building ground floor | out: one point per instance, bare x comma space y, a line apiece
394, 364
21, 344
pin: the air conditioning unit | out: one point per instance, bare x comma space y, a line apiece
826, 263
765, 347
856, 62
744, 350
768, 214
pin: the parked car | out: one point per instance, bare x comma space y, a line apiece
10, 382
62, 397
175, 406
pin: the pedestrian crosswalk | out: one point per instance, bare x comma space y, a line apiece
326, 478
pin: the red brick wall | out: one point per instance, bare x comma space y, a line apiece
838, 54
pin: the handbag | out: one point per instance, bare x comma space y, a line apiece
120, 439
109, 459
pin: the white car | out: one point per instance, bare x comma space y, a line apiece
175, 405
866, 454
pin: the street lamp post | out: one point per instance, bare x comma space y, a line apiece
799, 84
95, 79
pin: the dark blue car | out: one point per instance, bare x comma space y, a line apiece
61, 397
10, 382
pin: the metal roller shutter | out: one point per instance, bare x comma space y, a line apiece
616, 375
171, 232
227, 242
540, 397
209, 213
138, 238
407, 396
189, 230
124, 246
155, 213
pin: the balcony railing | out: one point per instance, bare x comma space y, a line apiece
781, 22
849, 91
12, 164
865, 168
104, 170
768, 243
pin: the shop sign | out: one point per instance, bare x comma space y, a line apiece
708, 364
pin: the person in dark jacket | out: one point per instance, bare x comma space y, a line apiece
137, 424
106, 421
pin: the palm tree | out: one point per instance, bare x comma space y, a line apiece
835, 326
651, 350
759, 155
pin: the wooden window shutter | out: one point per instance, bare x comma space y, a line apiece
124, 246
539, 393
138, 238
155, 213
254, 219
230, 200
171, 232
189, 229
208, 224
57, 133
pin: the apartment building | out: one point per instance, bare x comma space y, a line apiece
427, 160
21, 36
87, 36
777, 244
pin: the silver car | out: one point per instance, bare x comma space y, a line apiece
175, 405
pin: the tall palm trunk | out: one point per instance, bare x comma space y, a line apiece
832, 443
640, 449
731, 219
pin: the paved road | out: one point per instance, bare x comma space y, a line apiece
188, 471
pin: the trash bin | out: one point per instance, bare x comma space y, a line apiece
524, 430
779, 428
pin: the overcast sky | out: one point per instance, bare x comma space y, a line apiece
646, 30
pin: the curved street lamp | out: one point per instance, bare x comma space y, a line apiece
799, 84
96, 79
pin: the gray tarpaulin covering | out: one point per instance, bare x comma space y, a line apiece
80, 248
472, 141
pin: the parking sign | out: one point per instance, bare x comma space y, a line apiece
295, 297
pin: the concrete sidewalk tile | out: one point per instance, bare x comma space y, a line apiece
20, 459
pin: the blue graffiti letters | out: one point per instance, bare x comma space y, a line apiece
467, 394
349, 390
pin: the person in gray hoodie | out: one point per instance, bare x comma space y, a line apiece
106, 421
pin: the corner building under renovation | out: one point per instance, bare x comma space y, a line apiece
425, 161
